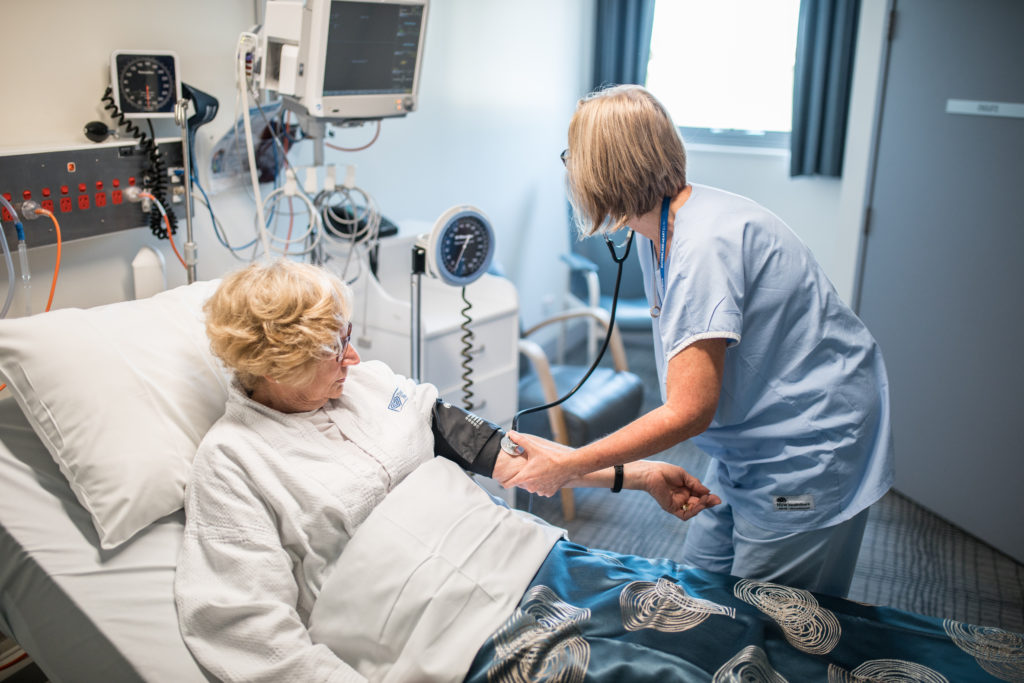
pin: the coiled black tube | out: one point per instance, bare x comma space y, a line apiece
467, 346
155, 178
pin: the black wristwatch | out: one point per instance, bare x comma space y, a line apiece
617, 485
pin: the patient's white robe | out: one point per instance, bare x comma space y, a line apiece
270, 505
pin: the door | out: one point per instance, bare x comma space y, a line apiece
943, 272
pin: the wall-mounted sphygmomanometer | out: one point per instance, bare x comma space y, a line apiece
145, 83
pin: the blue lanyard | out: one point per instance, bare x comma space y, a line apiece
664, 237
656, 308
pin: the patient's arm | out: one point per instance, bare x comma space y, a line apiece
464, 438
475, 445
235, 591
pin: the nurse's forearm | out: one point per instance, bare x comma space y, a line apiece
633, 478
694, 381
651, 433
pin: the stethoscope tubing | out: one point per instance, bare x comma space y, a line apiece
619, 260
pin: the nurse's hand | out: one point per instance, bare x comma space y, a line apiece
548, 467
677, 491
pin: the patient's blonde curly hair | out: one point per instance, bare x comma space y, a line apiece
625, 154
277, 320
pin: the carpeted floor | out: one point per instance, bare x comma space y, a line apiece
910, 558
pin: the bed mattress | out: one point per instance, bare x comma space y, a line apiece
82, 613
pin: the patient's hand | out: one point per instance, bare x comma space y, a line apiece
677, 491
506, 467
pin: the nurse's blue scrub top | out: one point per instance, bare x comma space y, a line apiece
801, 435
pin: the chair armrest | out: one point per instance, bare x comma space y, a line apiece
541, 366
578, 263
587, 268
601, 316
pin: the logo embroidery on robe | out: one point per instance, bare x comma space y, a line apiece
398, 401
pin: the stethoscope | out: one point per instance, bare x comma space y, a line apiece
619, 261
506, 443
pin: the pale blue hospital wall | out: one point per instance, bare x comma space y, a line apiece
56, 56
499, 84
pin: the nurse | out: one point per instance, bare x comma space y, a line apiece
760, 362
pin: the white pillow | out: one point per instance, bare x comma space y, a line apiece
120, 395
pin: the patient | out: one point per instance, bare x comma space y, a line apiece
312, 441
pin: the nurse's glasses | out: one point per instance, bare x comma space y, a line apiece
564, 156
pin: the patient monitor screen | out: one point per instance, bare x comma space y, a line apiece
371, 48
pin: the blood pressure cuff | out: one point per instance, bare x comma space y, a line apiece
466, 439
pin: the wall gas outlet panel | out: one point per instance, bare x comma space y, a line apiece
84, 187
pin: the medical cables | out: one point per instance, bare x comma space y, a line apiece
31, 211
344, 222
218, 229
361, 147
7, 256
347, 223
167, 222
311, 236
247, 42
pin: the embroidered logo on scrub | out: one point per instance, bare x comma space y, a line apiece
805, 502
398, 401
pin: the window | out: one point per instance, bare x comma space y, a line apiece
724, 69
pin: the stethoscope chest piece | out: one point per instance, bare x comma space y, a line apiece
655, 311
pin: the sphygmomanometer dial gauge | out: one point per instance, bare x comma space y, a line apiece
145, 84
461, 245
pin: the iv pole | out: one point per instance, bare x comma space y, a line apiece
419, 266
190, 251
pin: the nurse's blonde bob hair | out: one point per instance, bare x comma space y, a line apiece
625, 155
277, 320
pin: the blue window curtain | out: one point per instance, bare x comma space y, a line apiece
622, 44
825, 43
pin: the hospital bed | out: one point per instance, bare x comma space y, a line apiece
82, 613
101, 411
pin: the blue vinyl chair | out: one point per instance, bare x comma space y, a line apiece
592, 274
611, 398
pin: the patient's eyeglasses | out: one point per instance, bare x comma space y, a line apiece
343, 341
564, 156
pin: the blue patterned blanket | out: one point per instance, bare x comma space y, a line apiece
593, 615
